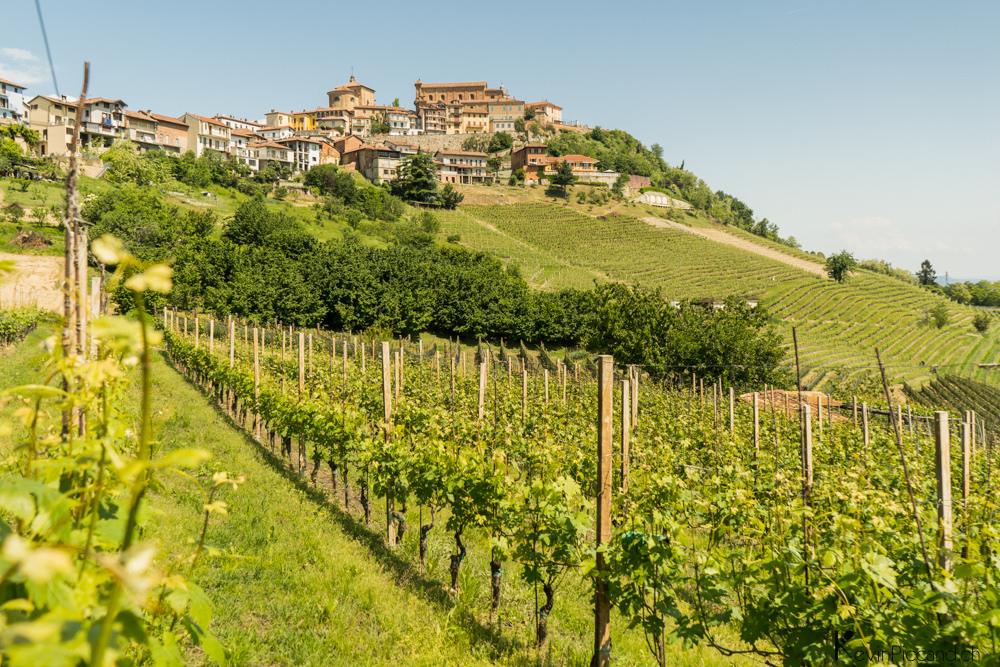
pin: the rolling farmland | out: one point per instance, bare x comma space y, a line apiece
839, 325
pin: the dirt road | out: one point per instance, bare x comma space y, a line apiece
34, 272
722, 237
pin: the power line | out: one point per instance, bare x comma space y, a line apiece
48, 51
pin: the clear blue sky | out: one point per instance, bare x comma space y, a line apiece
867, 126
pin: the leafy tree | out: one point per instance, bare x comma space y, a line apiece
417, 179
926, 275
380, 123
13, 131
10, 153
477, 142
840, 266
14, 213
939, 315
529, 113
495, 164
519, 125
395, 102
429, 223
981, 322
619, 186
519, 174
125, 165
563, 178
450, 198
280, 193
501, 141
657, 151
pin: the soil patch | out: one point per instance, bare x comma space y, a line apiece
30, 240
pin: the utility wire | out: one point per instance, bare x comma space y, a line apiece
48, 51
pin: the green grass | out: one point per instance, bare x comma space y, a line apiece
51, 232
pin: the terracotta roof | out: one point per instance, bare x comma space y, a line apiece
304, 139
243, 132
238, 120
276, 127
56, 100
268, 144
544, 103
91, 100
142, 115
473, 153
210, 121
11, 83
576, 158
454, 84
167, 119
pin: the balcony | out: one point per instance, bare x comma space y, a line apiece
104, 129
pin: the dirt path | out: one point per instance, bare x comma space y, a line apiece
722, 237
35, 272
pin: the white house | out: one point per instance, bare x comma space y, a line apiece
13, 103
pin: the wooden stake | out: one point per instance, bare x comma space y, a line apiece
626, 429
524, 395
546, 372
482, 388
732, 410
211, 336
756, 429
197, 331
256, 383
605, 418
807, 456
390, 503
302, 364
942, 469
854, 409
396, 359
232, 343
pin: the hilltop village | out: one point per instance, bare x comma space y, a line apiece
350, 130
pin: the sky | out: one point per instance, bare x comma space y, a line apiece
867, 126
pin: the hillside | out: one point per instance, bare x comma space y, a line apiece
838, 325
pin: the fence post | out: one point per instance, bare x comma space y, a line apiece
756, 429
302, 388
524, 395
256, 384
482, 389
732, 410
626, 428
390, 528
635, 398
396, 358
605, 416
545, 373
807, 452
942, 469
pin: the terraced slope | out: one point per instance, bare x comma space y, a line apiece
839, 325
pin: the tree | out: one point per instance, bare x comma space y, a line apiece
657, 151
939, 315
981, 322
529, 113
501, 141
417, 179
563, 178
519, 125
14, 213
379, 123
395, 102
926, 275
495, 163
619, 187
477, 142
840, 266
450, 197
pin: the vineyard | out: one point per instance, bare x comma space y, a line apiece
745, 526
838, 324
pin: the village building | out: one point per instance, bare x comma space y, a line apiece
305, 152
275, 132
461, 166
238, 123
173, 131
263, 153
379, 164
546, 112
13, 103
503, 112
206, 134
350, 95
103, 121
143, 130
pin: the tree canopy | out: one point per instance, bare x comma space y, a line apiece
840, 266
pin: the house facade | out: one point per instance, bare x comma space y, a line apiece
546, 111
263, 153
503, 113
238, 123
173, 131
379, 164
461, 166
275, 132
206, 134
527, 156
305, 152
102, 122
13, 103
351, 94
144, 131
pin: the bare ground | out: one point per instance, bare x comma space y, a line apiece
35, 272
722, 237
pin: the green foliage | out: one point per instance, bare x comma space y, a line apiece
926, 276
939, 315
563, 178
14, 213
454, 238
519, 125
417, 179
500, 141
887, 269
981, 322
125, 165
17, 323
840, 266
734, 343
476, 142
15, 130
80, 588
529, 113
280, 193
449, 197
620, 184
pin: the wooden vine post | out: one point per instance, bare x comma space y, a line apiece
942, 470
626, 429
966, 475
524, 395
732, 410
605, 420
756, 429
256, 383
635, 397
482, 389
211, 336
390, 528
302, 389
546, 375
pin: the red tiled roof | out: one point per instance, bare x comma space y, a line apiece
11, 83
544, 103
472, 153
210, 121
167, 119
454, 84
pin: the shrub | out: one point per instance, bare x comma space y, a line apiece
281, 193
939, 315
981, 322
454, 238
